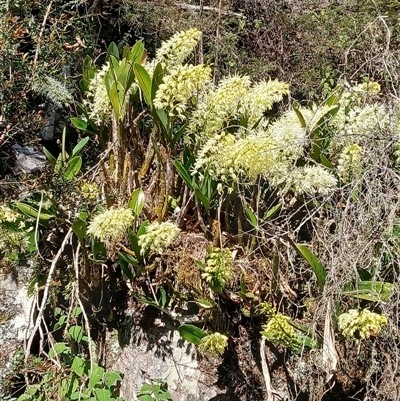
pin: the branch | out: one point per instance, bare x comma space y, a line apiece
207, 8
45, 295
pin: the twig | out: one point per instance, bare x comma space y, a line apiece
202, 8
76, 266
45, 295
265, 370
39, 38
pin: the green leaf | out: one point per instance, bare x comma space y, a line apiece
180, 168
96, 376
158, 76
60, 322
78, 366
178, 134
73, 168
146, 388
103, 394
117, 98
146, 300
205, 303
113, 50
137, 52
76, 333
136, 201
49, 156
373, 291
144, 82
164, 395
76, 312
58, 349
191, 333
79, 123
146, 397
308, 342
271, 212
250, 215
314, 262
325, 162
296, 107
79, 228
163, 299
80, 145
124, 261
201, 198
113, 377
31, 211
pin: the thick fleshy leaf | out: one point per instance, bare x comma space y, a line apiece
31, 211
73, 168
191, 333
79, 123
136, 201
314, 262
79, 146
144, 82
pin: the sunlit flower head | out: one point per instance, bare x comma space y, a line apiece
54, 90
279, 330
213, 345
179, 86
349, 164
110, 226
177, 49
359, 325
98, 102
158, 236
261, 98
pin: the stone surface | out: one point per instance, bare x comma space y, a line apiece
27, 159
158, 352
15, 307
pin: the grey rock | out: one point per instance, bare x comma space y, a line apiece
28, 160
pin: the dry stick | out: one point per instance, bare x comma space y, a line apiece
76, 266
217, 39
265, 370
46, 294
201, 47
39, 38
202, 7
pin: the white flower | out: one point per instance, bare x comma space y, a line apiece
110, 226
158, 236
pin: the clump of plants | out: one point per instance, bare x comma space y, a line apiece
179, 152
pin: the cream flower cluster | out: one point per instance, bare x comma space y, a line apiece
261, 98
279, 330
54, 90
356, 325
213, 345
177, 49
110, 226
349, 164
218, 266
310, 180
98, 102
179, 86
8, 215
357, 123
158, 236
271, 153
13, 241
218, 106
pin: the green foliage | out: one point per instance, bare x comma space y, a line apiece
75, 376
156, 391
217, 268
